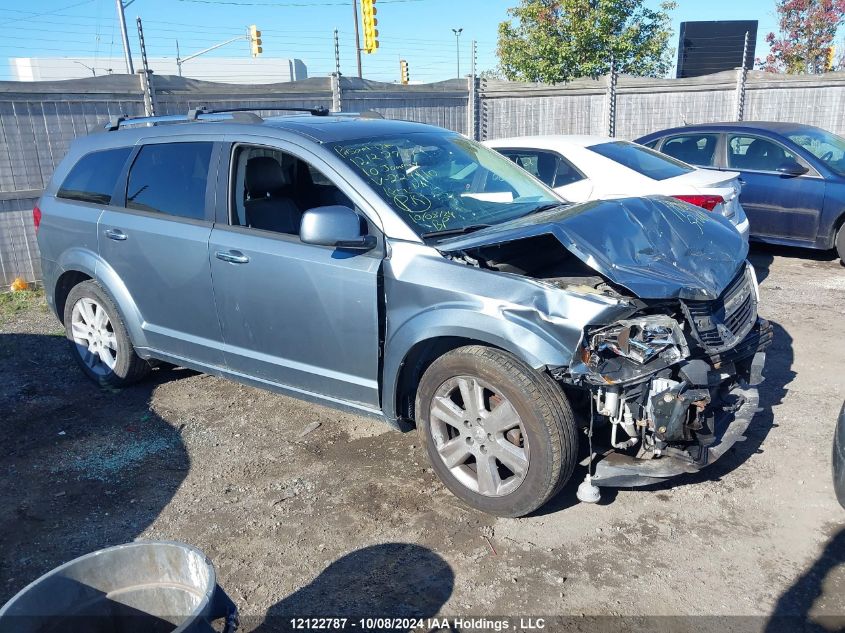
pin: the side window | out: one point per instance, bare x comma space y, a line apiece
94, 176
542, 165
271, 189
553, 169
170, 178
756, 154
695, 149
651, 144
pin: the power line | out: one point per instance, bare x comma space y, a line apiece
53, 12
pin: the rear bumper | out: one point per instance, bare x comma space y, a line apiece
618, 469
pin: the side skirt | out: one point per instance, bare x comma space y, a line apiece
285, 390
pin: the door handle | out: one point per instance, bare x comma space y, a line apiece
233, 257
115, 234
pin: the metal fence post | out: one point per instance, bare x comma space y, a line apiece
146, 76
610, 100
741, 78
472, 98
337, 104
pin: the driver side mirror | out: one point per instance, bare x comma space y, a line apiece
792, 168
337, 226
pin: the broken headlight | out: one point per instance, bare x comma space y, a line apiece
634, 347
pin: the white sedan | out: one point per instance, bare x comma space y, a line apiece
581, 168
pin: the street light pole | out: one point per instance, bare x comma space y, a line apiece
121, 18
357, 35
457, 33
91, 68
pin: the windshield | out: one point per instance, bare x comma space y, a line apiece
827, 147
445, 182
642, 160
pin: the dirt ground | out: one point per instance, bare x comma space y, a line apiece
348, 519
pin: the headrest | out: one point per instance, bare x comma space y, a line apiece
264, 175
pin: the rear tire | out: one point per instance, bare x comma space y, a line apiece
98, 338
513, 447
840, 244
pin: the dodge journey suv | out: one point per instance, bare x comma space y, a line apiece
403, 271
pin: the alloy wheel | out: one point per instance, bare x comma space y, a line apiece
479, 436
92, 332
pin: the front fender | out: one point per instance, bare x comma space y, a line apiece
533, 345
91, 264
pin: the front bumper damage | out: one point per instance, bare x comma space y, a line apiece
682, 390
622, 470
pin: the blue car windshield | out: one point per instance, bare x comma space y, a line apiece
828, 148
444, 182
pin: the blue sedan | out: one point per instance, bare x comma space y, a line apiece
793, 176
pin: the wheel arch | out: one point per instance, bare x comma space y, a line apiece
422, 340
79, 265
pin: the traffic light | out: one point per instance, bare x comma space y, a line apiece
368, 11
403, 71
828, 58
255, 41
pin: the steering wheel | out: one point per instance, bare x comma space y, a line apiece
827, 156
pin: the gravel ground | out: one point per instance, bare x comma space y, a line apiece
348, 519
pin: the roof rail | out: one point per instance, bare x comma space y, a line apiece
245, 115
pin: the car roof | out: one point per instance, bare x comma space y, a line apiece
328, 129
778, 127
548, 141
321, 129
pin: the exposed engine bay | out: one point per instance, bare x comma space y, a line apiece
660, 389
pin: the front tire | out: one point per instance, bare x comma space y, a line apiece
840, 244
98, 338
499, 434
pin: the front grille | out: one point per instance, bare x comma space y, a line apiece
720, 324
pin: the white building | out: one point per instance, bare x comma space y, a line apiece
235, 70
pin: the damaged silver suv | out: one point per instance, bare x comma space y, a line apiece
400, 270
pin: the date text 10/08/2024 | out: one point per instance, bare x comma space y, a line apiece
409, 624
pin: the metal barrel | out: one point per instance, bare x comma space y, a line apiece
145, 586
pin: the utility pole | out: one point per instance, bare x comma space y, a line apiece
357, 35
121, 18
457, 33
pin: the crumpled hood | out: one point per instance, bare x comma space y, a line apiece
656, 247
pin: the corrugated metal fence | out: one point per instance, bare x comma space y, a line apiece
39, 120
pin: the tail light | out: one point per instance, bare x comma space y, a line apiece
36, 217
708, 203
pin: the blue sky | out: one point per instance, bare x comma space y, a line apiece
417, 30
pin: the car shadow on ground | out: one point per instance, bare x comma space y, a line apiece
388, 581
792, 610
762, 255
778, 374
84, 467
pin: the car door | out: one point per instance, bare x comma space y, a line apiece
554, 170
778, 206
155, 237
294, 314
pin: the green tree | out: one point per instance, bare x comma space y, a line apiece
557, 40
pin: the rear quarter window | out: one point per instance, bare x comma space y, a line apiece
94, 176
642, 160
